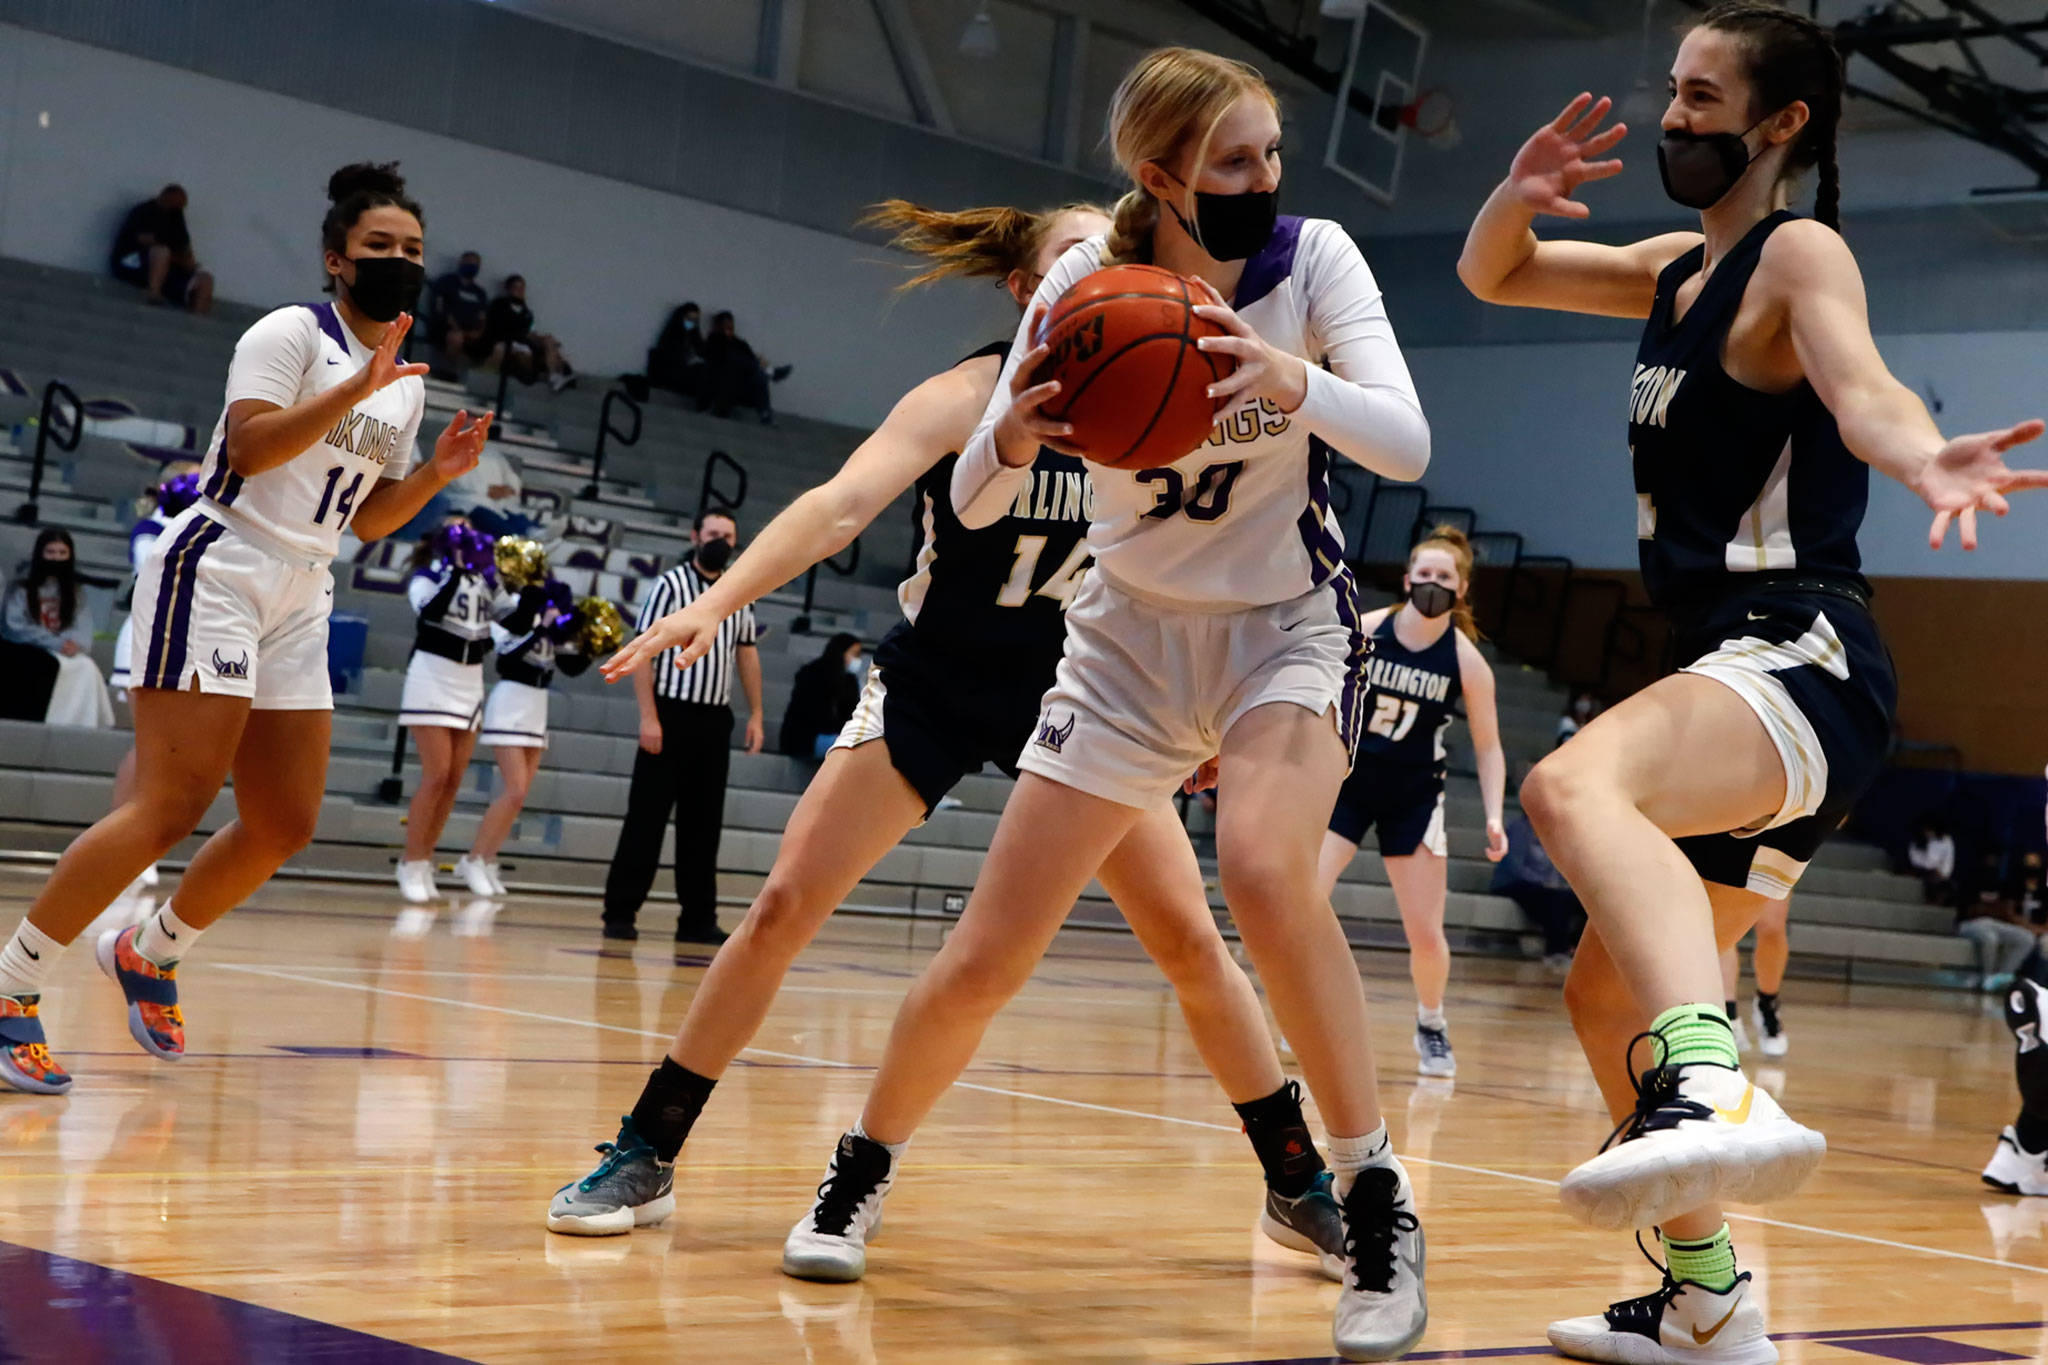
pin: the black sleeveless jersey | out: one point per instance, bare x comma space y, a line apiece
1732, 482
1410, 697
991, 603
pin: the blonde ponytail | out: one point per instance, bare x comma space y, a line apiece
977, 243
1130, 231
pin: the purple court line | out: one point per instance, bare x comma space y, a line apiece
1839, 1334
60, 1309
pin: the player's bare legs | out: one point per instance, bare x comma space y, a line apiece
280, 775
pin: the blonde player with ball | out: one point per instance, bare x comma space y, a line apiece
1219, 624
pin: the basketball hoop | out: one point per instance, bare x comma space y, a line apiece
1433, 117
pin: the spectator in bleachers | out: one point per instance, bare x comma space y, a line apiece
1578, 713
685, 748
1989, 920
489, 495
457, 305
510, 342
1529, 879
153, 252
46, 609
676, 361
822, 699
738, 377
2029, 899
1933, 855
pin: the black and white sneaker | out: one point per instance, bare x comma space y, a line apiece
1683, 1323
1433, 1055
1383, 1308
1770, 1030
831, 1241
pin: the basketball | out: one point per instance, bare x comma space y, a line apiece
1133, 383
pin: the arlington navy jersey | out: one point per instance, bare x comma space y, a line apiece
1731, 481
991, 603
1411, 696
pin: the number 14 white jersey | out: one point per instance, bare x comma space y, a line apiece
304, 504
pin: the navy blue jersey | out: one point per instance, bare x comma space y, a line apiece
529, 652
1410, 698
991, 603
1732, 482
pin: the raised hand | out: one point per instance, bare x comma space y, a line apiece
1023, 428
692, 633
1562, 155
1969, 474
385, 366
1263, 371
461, 443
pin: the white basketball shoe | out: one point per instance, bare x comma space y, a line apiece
1681, 1324
831, 1241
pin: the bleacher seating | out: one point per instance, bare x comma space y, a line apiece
1852, 916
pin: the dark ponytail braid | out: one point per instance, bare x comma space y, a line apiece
1791, 57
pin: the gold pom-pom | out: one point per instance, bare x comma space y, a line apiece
521, 562
599, 627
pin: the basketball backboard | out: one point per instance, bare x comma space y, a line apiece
1382, 77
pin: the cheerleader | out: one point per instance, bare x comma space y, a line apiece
1420, 667
535, 637
229, 662
452, 590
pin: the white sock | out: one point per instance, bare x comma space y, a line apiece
894, 1149
164, 938
1350, 1155
1429, 1018
26, 960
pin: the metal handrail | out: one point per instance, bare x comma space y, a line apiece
710, 489
31, 511
605, 430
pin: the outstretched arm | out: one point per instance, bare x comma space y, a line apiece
1811, 271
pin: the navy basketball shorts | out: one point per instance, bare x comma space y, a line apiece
1814, 669
1405, 804
939, 733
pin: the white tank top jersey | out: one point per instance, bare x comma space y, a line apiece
304, 504
1244, 520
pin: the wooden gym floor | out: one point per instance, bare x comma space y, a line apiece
353, 1162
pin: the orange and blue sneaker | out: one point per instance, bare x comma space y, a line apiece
154, 1020
25, 1060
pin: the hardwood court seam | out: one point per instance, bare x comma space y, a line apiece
1940, 1252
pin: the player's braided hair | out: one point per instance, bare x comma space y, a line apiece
980, 243
1791, 57
1173, 98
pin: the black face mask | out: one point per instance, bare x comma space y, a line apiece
1230, 227
714, 555
1431, 599
385, 286
1700, 168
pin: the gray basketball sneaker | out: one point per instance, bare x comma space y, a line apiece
631, 1187
1311, 1223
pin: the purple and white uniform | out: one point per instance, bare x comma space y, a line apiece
236, 593
1219, 581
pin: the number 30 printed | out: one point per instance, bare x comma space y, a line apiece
1209, 501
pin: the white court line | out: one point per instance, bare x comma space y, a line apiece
1097, 1108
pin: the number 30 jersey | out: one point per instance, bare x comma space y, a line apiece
304, 504
992, 601
1410, 697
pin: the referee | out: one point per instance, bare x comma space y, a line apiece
685, 749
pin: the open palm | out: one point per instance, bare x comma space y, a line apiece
1970, 474
1563, 155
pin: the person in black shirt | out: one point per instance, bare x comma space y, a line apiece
457, 306
827, 689
738, 378
153, 252
509, 341
676, 360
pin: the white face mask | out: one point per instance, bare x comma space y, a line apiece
857, 667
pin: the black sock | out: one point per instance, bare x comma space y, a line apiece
1282, 1141
1732, 1015
669, 1106
1767, 1006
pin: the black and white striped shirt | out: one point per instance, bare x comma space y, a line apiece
709, 680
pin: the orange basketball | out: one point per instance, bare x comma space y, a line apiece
1133, 383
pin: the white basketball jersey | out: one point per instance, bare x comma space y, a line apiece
293, 354
1244, 520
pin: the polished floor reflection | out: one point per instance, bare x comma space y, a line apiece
354, 1160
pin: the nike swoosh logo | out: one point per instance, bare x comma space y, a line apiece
1759, 616
33, 955
167, 932
1302, 622
332, 361
1740, 1113
1702, 1338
